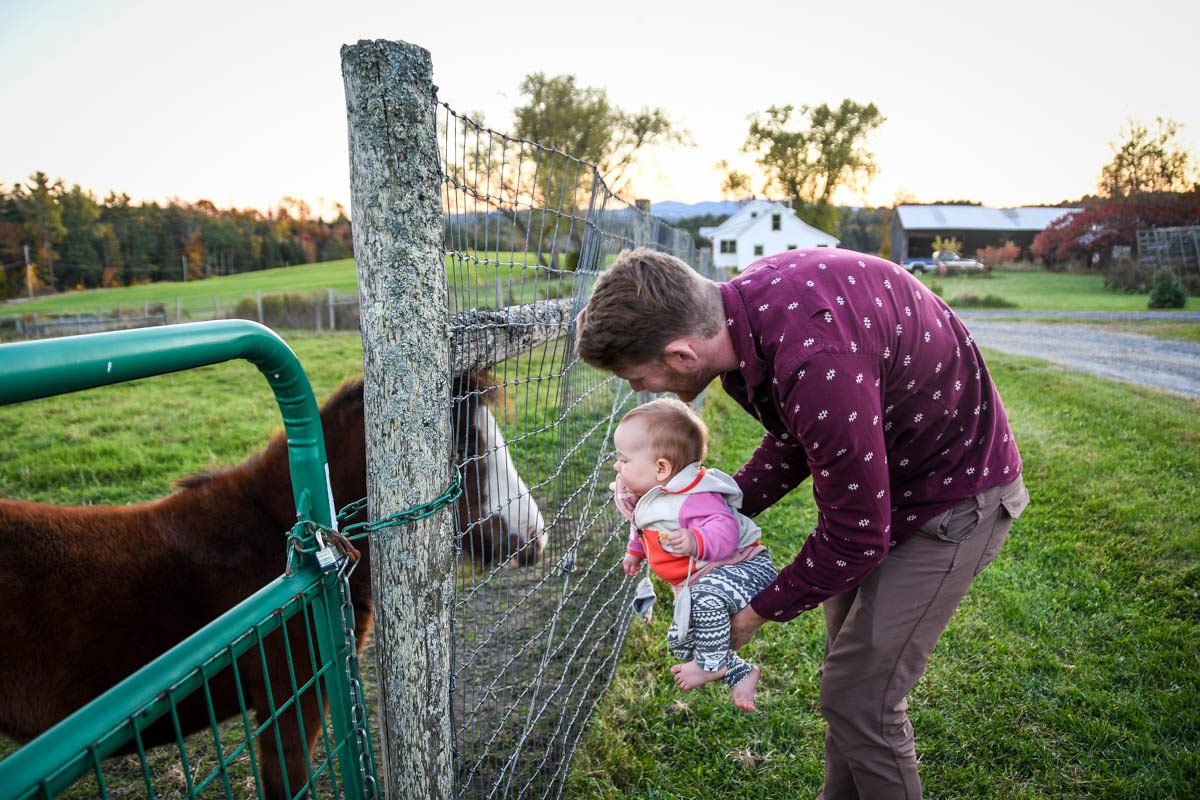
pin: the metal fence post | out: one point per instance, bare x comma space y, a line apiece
396, 183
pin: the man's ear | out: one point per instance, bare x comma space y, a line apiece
681, 355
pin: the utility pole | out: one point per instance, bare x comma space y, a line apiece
49, 260
28, 273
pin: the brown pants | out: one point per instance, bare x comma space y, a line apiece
879, 636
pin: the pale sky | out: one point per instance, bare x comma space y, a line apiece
242, 102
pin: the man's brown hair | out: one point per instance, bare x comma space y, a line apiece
674, 430
640, 304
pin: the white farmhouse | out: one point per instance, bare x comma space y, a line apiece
761, 228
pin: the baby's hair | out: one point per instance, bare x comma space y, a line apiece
675, 432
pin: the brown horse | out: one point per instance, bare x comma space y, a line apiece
92, 593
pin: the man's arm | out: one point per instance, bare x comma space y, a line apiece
834, 405
777, 467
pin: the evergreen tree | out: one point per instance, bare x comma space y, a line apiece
42, 215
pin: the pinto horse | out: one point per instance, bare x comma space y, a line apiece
92, 593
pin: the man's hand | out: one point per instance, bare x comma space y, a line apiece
743, 625
631, 564
680, 543
623, 499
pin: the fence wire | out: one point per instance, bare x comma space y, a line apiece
537, 628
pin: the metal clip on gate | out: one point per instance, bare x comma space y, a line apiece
31, 370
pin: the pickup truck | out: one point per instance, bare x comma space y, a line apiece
943, 261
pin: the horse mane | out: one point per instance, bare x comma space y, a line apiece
339, 410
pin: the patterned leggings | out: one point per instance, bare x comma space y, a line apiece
715, 598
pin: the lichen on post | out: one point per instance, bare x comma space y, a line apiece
396, 184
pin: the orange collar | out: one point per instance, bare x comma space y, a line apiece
690, 486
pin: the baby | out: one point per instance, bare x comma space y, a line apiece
686, 524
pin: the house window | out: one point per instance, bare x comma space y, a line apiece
758, 249
776, 221
728, 246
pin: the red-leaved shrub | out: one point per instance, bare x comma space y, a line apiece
992, 257
1088, 236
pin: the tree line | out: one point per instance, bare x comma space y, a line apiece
53, 238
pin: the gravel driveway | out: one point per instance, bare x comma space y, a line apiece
1133, 357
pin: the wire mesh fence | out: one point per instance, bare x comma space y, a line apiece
536, 634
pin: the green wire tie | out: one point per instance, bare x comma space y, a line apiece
360, 529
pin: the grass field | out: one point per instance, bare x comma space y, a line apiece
1035, 290
1026, 290
1071, 671
196, 297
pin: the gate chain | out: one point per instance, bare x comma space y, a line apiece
358, 707
307, 536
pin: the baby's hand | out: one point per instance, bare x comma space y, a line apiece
631, 564
681, 543
623, 499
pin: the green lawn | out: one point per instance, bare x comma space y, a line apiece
127, 442
1071, 671
196, 297
1052, 291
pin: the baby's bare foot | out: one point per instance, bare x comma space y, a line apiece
743, 693
691, 675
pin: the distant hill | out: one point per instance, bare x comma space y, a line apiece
671, 210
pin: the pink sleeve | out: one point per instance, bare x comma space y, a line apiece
707, 515
635, 543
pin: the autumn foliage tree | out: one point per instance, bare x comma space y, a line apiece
1149, 183
75, 240
1088, 236
1148, 160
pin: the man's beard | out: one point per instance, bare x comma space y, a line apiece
689, 386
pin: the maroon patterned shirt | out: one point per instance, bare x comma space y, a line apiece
867, 382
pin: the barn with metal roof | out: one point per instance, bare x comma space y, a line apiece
915, 227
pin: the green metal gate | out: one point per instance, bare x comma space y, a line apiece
307, 610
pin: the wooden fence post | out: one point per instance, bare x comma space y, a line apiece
641, 223
395, 180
